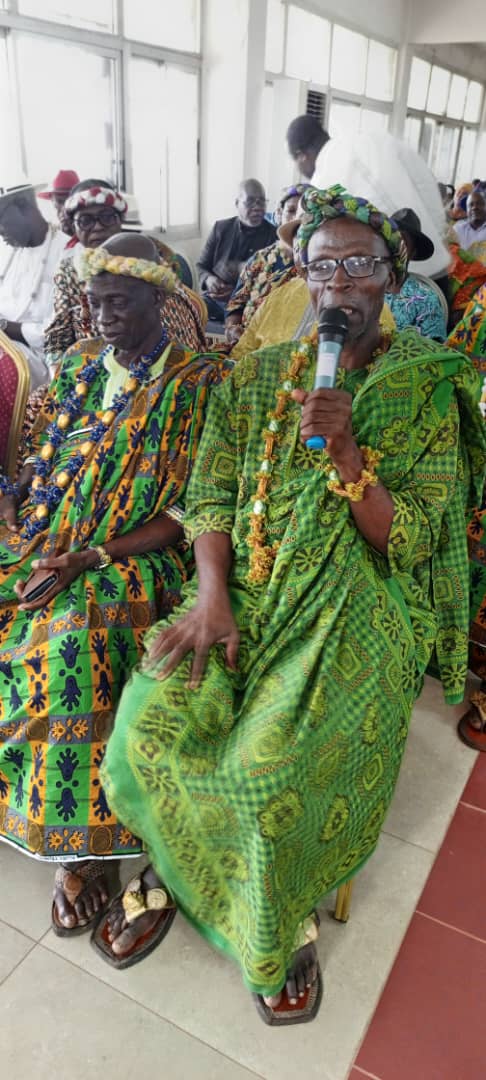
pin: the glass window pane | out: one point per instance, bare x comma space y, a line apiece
457, 97
465, 162
419, 83
380, 73
80, 134
444, 153
372, 120
438, 90
166, 192
182, 146
308, 41
474, 99
348, 60
10, 165
173, 23
275, 35
413, 129
93, 14
344, 119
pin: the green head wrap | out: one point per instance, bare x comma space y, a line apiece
320, 206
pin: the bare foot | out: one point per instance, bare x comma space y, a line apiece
301, 976
71, 910
123, 935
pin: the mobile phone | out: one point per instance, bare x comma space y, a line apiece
38, 584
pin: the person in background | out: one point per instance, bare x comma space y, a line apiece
471, 233
97, 510
231, 242
458, 210
389, 173
466, 275
305, 139
28, 263
419, 302
59, 191
269, 267
257, 748
97, 212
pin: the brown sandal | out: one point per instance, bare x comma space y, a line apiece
135, 900
474, 737
73, 883
305, 1008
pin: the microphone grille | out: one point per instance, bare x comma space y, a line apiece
333, 320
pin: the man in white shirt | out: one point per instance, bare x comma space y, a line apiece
389, 173
29, 258
473, 229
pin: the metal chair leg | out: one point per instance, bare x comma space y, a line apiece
343, 901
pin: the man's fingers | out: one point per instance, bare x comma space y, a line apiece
198, 668
163, 644
300, 396
232, 652
175, 657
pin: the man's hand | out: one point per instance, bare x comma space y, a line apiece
233, 330
9, 505
197, 631
220, 290
327, 413
68, 566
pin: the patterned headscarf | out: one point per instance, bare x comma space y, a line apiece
320, 206
96, 196
291, 192
94, 261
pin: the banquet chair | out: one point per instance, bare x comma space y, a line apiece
14, 391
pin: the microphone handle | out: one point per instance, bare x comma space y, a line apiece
328, 354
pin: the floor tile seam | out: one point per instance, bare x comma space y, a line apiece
471, 806
19, 963
411, 843
23, 933
449, 926
152, 1012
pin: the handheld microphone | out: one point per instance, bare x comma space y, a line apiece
333, 327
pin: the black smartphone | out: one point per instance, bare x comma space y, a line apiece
36, 585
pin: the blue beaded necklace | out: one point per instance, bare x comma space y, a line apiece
46, 496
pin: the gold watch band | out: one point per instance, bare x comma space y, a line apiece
104, 559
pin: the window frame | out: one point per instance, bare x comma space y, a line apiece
442, 118
120, 49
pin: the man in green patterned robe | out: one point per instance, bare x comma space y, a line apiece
257, 747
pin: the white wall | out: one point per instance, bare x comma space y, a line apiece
446, 20
383, 18
224, 96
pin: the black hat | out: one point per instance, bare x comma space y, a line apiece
408, 221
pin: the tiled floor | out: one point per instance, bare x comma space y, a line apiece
184, 1013
429, 1023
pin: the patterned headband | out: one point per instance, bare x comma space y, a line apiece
93, 261
320, 206
96, 196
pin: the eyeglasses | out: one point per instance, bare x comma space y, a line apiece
250, 203
356, 266
102, 217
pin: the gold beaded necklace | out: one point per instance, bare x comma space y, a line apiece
262, 554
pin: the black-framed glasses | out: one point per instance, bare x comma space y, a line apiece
107, 216
254, 202
356, 266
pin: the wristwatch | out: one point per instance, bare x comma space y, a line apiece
104, 559
3, 323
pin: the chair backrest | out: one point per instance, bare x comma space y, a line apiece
200, 304
433, 285
14, 391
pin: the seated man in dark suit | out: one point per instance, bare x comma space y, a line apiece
230, 244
